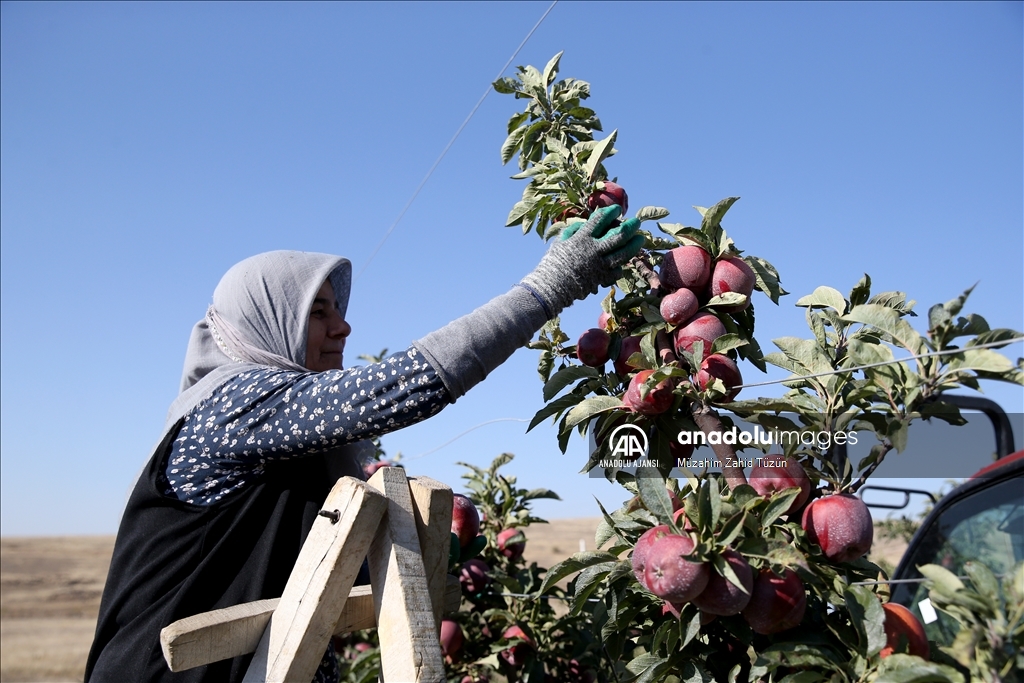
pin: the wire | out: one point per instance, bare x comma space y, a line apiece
758, 384
452, 142
840, 371
459, 436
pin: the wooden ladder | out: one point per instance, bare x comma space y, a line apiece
403, 527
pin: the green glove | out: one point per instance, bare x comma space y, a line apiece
588, 254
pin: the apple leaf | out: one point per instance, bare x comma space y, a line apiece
551, 70
732, 527
711, 218
602, 150
565, 377
654, 494
555, 408
727, 342
590, 407
511, 144
887, 320
767, 278
824, 297
518, 212
651, 213
647, 667
728, 299
941, 577
868, 619
780, 502
726, 570
902, 668
577, 562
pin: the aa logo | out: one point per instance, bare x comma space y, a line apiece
628, 442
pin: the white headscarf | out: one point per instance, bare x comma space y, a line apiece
263, 304
259, 316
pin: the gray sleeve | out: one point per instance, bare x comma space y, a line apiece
465, 351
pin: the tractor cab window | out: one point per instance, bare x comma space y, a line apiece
986, 527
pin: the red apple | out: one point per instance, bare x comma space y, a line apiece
717, 366
606, 194
688, 266
465, 519
512, 551
901, 624
732, 274
516, 655
669, 575
658, 399
473, 576
841, 524
604, 321
722, 597
777, 603
705, 327
592, 347
451, 640
629, 346
773, 473
679, 306
643, 545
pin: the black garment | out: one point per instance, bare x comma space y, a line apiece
174, 560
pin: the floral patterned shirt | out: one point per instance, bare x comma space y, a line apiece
271, 414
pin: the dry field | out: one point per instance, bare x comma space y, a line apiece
50, 592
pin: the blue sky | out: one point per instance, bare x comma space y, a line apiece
145, 148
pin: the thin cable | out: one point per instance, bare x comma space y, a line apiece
459, 436
452, 141
758, 384
840, 371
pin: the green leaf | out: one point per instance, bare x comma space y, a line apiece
824, 297
654, 494
601, 151
861, 291
565, 377
901, 668
981, 360
651, 213
727, 342
518, 212
887, 320
551, 70
894, 300
511, 144
728, 299
711, 218
768, 280
984, 580
507, 85
868, 618
555, 408
645, 663
590, 407
941, 577
780, 502
732, 528
534, 494
576, 563
804, 677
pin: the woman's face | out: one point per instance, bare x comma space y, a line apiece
325, 340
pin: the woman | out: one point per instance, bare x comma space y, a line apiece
267, 420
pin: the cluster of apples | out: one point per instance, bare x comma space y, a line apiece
474, 577
840, 524
690, 278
